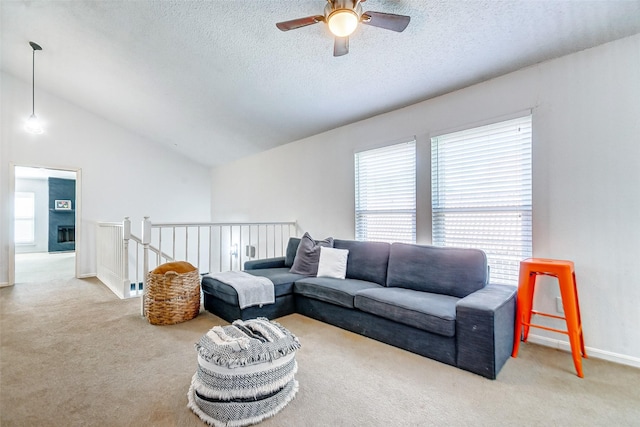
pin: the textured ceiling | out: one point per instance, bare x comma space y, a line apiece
216, 81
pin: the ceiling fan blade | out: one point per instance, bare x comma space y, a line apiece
341, 46
388, 21
300, 22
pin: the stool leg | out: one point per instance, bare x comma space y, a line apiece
523, 306
528, 306
570, 306
575, 287
517, 328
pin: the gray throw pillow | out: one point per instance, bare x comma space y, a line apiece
292, 248
308, 255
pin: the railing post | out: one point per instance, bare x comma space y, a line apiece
126, 236
146, 240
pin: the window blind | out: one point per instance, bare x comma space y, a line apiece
481, 193
385, 192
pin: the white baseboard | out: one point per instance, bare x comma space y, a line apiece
4, 284
591, 352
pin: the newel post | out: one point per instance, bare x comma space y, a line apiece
126, 236
146, 240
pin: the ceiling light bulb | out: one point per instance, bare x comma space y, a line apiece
343, 22
33, 125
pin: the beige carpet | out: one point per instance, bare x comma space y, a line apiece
73, 354
39, 266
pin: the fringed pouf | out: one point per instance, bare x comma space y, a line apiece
245, 373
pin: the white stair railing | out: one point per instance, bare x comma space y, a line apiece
124, 259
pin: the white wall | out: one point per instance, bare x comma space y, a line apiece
586, 178
122, 174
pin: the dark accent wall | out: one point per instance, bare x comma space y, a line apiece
62, 222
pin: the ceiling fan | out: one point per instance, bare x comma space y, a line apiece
342, 17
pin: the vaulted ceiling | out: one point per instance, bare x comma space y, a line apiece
216, 80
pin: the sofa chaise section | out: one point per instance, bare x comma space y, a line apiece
222, 300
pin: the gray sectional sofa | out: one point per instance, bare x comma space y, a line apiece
433, 301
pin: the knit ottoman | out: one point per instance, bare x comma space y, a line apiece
245, 373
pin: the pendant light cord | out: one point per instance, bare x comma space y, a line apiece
33, 84
32, 124
34, 47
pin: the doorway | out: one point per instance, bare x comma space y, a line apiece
46, 220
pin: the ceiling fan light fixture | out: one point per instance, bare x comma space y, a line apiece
343, 22
342, 17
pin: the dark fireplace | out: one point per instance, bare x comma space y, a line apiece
62, 214
66, 234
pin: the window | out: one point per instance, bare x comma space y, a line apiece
24, 218
481, 193
386, 193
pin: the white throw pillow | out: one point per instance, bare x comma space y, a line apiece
333, 263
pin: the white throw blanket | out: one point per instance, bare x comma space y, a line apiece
252, 290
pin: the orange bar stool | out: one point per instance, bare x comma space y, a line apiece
564, 271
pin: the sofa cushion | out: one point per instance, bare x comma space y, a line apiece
290, 254
367, 260
281, 277
430, 312
449, 271
333, 263
334, 291
308, 255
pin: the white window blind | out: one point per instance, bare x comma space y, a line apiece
386, 193
24, 229
481, 193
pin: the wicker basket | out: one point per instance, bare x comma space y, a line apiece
172, 297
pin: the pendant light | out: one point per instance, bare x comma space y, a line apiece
32, 124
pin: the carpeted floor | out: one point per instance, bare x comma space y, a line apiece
73, 354
38, 266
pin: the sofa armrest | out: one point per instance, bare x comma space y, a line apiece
264, 263
484, 329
